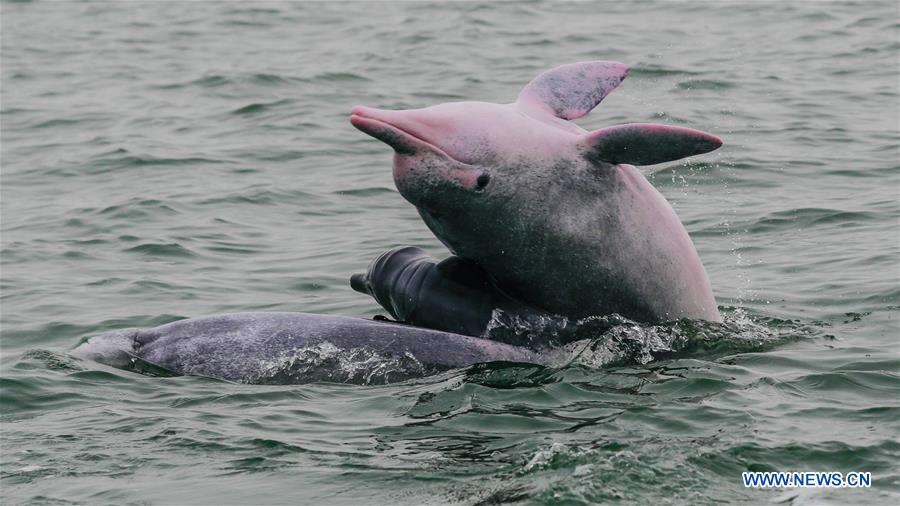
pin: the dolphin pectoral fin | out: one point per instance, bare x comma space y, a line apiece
646, 143
382, 318
573, 90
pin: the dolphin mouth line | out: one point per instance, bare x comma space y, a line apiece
359, 121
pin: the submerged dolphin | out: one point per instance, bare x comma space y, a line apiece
552, 212
453, 295
287, 348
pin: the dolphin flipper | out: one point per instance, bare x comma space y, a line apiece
573, 90
646, 143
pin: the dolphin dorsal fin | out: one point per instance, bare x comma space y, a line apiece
646, 143
571, 91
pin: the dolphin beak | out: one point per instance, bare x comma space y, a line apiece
382, 125
407, 131
360, 283
404, 130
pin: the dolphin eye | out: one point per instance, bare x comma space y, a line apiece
482, 181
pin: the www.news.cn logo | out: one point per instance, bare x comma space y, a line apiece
806, 479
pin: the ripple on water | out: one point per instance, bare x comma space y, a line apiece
261, 107
196, 158
172, 249
705, 84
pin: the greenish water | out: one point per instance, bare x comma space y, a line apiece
174, 159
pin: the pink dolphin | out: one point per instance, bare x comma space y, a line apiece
554, 213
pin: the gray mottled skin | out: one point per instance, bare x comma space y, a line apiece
539, 241
552, 212
272, 347
453, 295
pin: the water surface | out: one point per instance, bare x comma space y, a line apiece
175, 159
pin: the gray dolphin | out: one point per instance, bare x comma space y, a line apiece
286, 348
453, 295
552, 212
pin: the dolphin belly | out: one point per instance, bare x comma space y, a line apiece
294, 348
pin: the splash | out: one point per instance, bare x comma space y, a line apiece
615, 340
325, 362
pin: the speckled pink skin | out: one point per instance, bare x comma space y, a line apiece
553, 212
